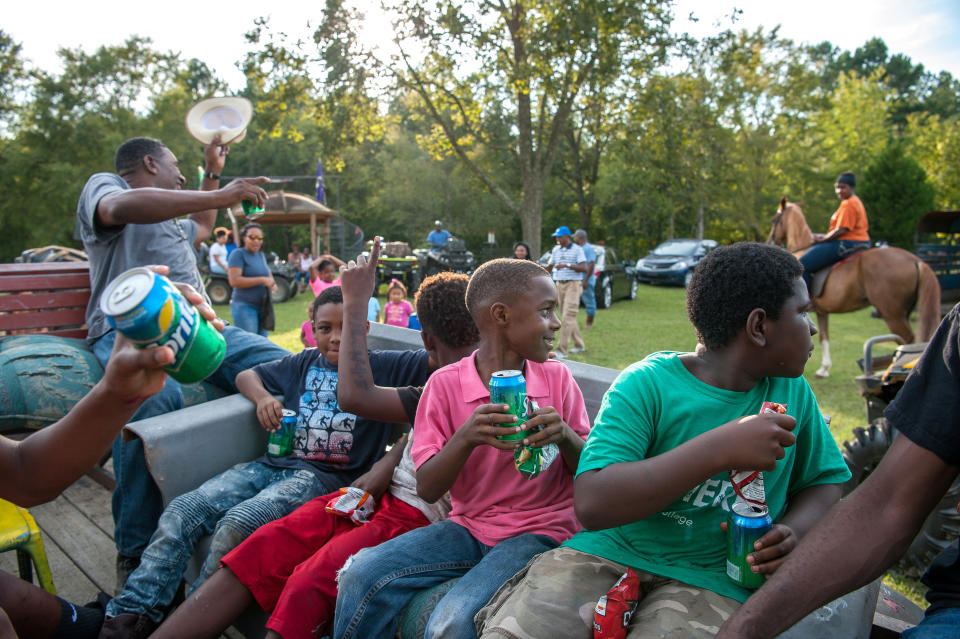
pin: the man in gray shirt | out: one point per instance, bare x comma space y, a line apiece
133, 218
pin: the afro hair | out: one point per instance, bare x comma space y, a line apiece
442, 309
732, 281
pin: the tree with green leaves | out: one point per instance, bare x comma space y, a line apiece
464, 58
896, 193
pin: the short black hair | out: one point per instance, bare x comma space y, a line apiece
219, 233
732, 281
249, 226
442, 309
501, 280
332, 295
131, 153
324, 264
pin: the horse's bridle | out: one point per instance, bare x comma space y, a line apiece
777, 219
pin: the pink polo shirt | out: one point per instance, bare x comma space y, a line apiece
490, 498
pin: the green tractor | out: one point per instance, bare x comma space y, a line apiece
397, 262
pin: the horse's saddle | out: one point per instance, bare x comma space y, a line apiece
819, 278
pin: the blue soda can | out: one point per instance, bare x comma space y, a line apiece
510, 388
747, 524
150, 311
280, 443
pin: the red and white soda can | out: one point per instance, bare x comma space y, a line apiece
748, 484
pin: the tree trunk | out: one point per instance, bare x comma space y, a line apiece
531, 213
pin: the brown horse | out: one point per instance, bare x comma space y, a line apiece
892, 280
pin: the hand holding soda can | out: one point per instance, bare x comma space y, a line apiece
748, 484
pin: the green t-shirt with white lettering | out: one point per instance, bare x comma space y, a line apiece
654, 406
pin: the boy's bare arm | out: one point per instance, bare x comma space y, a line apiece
269, 410
853, 544
805, 508
623, 493
356, 390
436, 475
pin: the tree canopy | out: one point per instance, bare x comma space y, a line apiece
512, 118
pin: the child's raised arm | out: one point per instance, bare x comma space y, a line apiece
626, 492
269, 410
356, 390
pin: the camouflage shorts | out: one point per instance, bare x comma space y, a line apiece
554, 597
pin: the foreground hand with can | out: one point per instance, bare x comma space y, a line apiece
146, 308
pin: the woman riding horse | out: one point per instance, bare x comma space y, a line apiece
847, 233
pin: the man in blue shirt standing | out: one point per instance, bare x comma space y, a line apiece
588, 296
438, 236
568, 265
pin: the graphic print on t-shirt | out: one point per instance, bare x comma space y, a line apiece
324, 432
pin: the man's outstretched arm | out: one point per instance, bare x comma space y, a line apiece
854, 543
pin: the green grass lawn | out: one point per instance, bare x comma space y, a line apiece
657, 320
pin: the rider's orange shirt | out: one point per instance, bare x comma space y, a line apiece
852, 215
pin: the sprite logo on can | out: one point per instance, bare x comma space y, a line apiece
510, 388
149, 311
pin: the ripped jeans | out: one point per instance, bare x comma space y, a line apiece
230, 505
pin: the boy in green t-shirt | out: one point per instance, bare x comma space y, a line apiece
652, 485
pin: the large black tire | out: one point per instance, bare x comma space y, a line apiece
865, 451
219, 290
862, 454
412, 281
939, 530
284, 287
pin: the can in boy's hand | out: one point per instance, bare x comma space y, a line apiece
745, 526
510, 388
280, 442
149, 311
250, 210
748, 484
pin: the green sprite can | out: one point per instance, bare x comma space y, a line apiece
280, 443
510, 388
747, 524
150, 311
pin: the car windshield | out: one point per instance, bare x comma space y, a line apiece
676, 247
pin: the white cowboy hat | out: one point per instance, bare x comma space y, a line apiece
228, 116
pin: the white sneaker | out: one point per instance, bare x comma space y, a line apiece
577, 350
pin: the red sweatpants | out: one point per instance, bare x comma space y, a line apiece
290, 565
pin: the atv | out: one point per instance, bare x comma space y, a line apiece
878, 385
453, 256
397, 262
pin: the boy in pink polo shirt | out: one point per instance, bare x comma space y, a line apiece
499, 520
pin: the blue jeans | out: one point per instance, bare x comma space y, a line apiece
824, 254
216, 268
137, 502
942, 624
376, 583
589, 297
247, 317
231, 505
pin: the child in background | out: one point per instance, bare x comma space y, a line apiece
331, 448
653, 489
397, 310
306, 329
499, 520
289, 566
373, 309
323, 273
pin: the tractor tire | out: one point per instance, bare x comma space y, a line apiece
864, 452
219, 291
939, 530
412, 281
283, 290
862, 455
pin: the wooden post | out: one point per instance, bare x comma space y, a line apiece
313, 234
